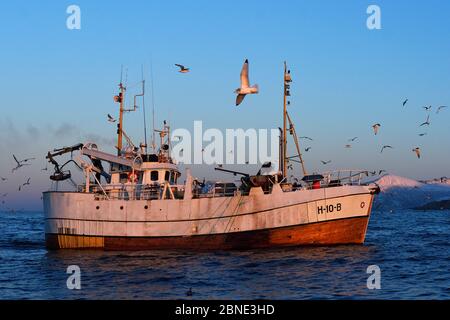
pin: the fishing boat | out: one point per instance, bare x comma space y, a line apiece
139, 203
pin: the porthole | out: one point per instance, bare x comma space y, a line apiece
97, 207
146, 207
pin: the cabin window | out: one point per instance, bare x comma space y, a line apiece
154, 175
172, 177
123, 177
167, 176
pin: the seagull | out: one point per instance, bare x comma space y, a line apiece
384, 147
422, 134
110, 118
183, 69
426, 123
348, 146
20, 163
44, 169
381, 171
245, 85
440, 108
405, 102
307, 138
325, 162
427, 108
4, 179
27, 183
307, 149
352, 139
417, 151
375, 127
373, 172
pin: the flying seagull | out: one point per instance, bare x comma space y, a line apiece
348, 146
405, 102
21, 163
427, 108
352, 139
3, 179
426, 123
110, 118
440, 108
307, 138
375, 127
384, 147
381, 171
325, 162
307, 149
245, 85
417, 151
422, 134
27, 183
183, 69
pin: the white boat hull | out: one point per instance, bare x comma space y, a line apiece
305, 217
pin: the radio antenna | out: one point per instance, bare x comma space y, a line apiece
153, 104
143, 107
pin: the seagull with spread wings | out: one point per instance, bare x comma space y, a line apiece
385, 147
440, 108
21, 163
110, 118
417, 151
426, 123
183, 69
245, 87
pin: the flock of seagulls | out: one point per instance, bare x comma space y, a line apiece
376, 129
18, 165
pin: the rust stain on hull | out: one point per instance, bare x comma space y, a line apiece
334, 232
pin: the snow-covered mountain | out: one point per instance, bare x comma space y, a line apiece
404, 193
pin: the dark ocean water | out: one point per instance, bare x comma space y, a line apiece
411, 248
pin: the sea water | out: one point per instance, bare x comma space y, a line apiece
411, 249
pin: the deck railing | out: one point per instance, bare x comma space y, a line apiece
167, 191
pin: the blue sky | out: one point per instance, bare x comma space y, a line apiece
58, 84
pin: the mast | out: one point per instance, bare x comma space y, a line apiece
286, 80
286, 118
120, 99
